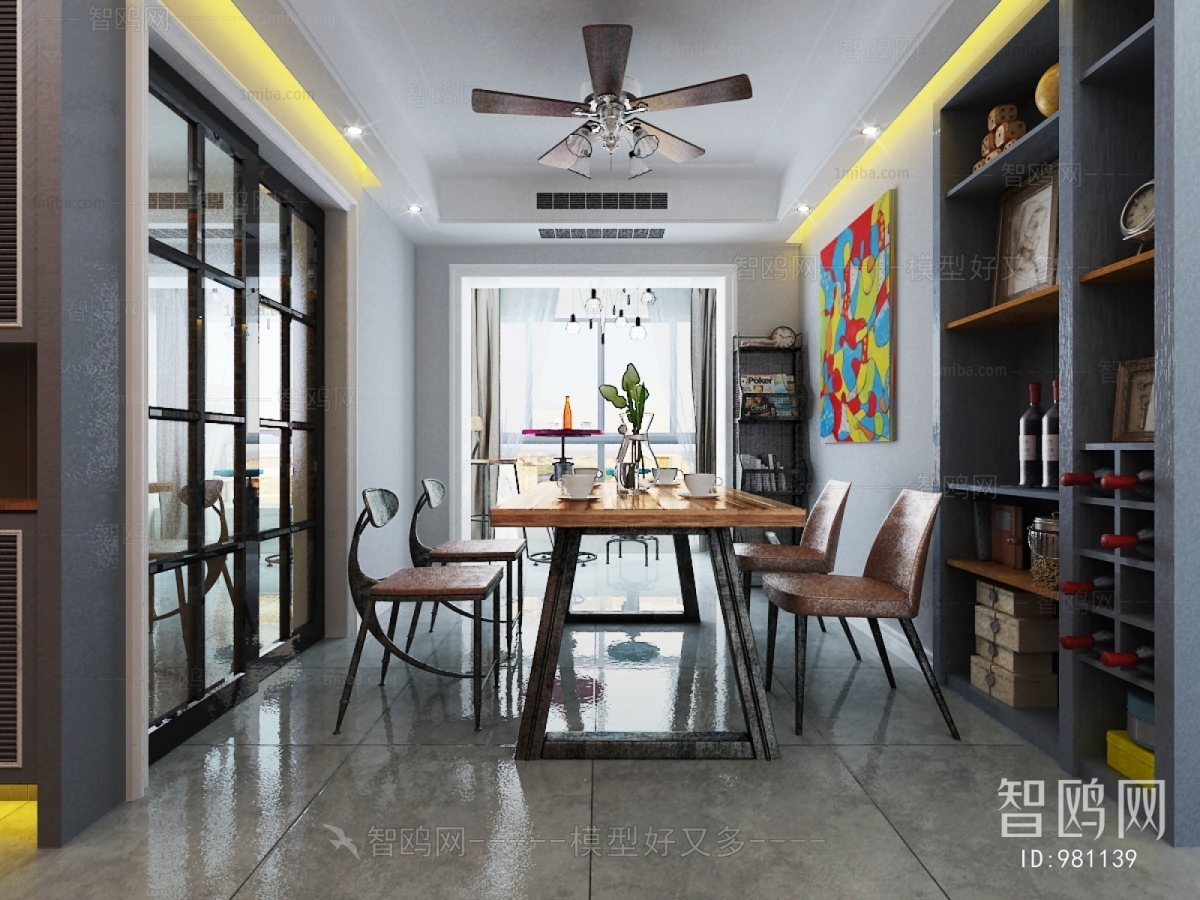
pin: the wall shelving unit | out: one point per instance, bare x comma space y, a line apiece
1113, 301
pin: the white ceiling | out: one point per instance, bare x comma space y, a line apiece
403, 70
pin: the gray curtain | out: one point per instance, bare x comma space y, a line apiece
485, 390
704, 376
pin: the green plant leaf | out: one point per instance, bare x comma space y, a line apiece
631, 379
609, 393
638, 393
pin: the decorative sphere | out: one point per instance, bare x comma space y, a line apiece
1046, 93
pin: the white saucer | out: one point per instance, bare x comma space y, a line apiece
577, 499
686, 495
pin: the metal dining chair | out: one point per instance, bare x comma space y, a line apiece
815, 554
889, 588
494, 550
470, 584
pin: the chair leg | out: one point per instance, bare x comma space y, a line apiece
508, 595
412, 626
850, 638
772, 628
646, 547
520, 595
496, 636
391, 633
914, 641
821, 625
883, 657
477, 657
655, 547
746, 577
801, 653
434, 611
350, 675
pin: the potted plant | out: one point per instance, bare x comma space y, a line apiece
633, 411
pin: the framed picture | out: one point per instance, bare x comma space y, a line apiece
858, 300
1027, 238
1133, 413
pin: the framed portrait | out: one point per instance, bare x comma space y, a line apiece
1133, 413
1027, 238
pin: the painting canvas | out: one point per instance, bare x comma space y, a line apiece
857, 311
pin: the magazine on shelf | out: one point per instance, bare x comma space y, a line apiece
778, 383
767, 406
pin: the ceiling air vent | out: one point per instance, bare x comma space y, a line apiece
600, 234
10, 649
10, 312
601, 200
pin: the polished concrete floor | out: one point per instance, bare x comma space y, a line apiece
875, 800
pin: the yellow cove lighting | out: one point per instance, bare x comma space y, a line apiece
1008, 17
220, 26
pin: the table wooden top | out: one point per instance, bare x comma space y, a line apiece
660, 507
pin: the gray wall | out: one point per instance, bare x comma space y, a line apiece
386, 372
763, 303
75, 83
880, 471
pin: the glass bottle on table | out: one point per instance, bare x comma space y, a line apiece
566, 418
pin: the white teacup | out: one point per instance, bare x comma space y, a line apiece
580, 470
578, 486
701, 484
665, 476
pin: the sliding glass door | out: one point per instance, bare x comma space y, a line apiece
234, 419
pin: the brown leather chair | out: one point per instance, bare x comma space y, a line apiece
815, 554
889, 588
503, 551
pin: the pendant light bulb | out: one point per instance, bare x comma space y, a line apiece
573, 325
638, 331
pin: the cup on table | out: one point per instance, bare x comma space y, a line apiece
665, 475
588, 470
701, 484
578, 486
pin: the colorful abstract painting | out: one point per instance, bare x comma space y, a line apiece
857, 300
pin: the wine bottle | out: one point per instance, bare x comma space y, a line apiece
1083, 479
1099, 583
1050, 442
1142, 541
1031, 426
1142, 482
1127, 660
567, 414
1086, 641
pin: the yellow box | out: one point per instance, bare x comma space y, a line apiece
1128, 758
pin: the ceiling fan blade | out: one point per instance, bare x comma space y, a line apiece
520, 104
673, 148
559, 156
607, 49
735, 87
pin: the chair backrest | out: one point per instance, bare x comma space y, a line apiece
432, 494
824, 526
379, 507
212, 500
901, 547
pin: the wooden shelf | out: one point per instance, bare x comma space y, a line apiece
18, 504
1129, 676
1038, 147
993, 571
1136, 269
1134, 562
1004, 490
1115, 503
1028, 309
1130, 60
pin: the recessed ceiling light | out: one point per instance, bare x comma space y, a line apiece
804, 208
870, 130
414, 208
353, 131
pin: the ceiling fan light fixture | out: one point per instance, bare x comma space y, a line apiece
582, 166
579, 141
637, 166
644, 143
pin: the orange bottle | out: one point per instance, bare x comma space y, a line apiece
567, 414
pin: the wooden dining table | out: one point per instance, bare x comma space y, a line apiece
660, 510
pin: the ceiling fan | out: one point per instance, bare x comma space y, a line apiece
611, 112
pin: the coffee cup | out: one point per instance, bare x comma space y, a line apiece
701, 484
578, 486
665, 476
